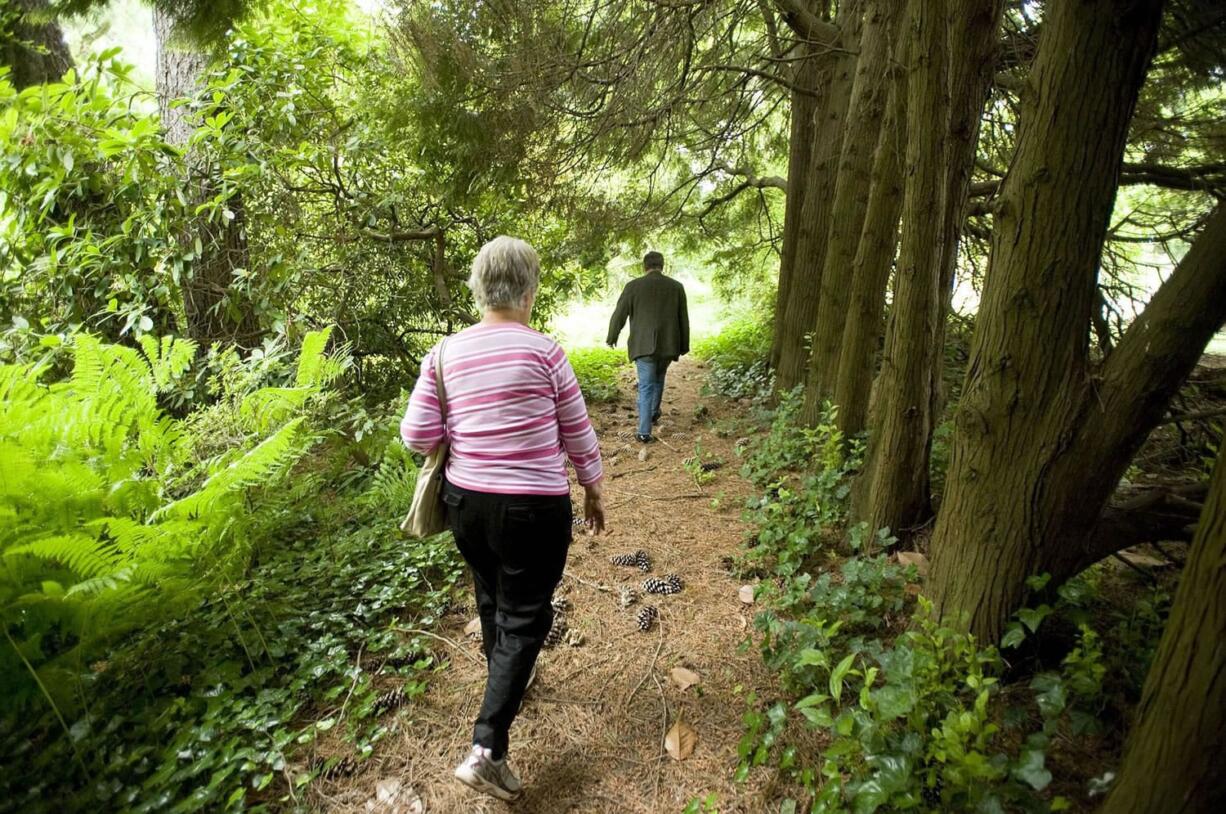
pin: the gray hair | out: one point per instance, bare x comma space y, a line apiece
505, 271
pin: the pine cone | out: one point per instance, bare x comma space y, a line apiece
557, 631
642, 560
654, 585
392, 699
560, 604
342, 768
646, 616
627, 596
624, 559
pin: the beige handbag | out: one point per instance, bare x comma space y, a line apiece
426, 516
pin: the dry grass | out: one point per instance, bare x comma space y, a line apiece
590, 737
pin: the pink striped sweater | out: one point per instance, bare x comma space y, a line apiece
514, 413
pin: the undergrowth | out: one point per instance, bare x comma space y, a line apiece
738, 358
596, 369
882, 706
203, 622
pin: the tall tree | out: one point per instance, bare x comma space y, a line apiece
215, 306
1173, 758
804, 286
1042, 436
893, 489
32, 44
871, 271
851, 188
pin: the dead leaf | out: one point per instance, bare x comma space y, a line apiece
914, 558
643, 454
683, 679
1142, 560
393, 797
912, 589
746, 594
473, 628
680, 740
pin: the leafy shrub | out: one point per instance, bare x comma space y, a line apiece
738, 358
596, 369
909, 712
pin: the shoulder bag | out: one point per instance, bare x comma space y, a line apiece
426, 515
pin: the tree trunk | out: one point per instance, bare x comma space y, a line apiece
807, 75
1023, 488
893, 489
871, 272
33, 46
974, 25
215, 308
853, 182
1173, 757
800, 308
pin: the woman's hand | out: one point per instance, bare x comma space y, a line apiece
593, 507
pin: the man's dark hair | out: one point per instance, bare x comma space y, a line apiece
653, 260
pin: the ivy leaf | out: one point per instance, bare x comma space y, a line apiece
1033, 617
838, 674
1015, 634
1032, 770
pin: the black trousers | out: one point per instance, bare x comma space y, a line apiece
516, 547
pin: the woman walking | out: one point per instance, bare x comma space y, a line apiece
514, 415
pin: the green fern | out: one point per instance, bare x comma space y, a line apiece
108, 514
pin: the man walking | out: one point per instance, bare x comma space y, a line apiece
659, 333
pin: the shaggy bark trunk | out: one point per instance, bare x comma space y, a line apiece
215, 309
853, 183
1173, 757
1039, 446
893, 489
800, 307
871, 272
807, 75
34, 46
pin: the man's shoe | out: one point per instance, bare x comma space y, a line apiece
644, 439
480, 772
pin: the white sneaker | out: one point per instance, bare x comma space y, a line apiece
482, 773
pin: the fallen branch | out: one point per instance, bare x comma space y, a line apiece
617, 475
445, 640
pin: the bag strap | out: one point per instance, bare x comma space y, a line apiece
438, 383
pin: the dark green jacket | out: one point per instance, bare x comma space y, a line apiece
659, 319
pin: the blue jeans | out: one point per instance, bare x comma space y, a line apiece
651, 372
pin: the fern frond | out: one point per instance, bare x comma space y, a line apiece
311, 358
167, 360
260, 466
85, 556
270, 406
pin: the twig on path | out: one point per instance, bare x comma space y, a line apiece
655, 791
617, 475
588, 583
650, 667
583, 702
662, 497
357, 674
451, 642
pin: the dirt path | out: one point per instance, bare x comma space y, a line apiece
590, 737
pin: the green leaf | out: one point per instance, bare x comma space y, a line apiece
1033, 617
838, 674
1015, 634
1032, 770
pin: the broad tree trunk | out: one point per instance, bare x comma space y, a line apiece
871, 272
853, 182
892, 491
33, 45
807, 75
1039, 443
1173, 757
800, 307
215, 309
